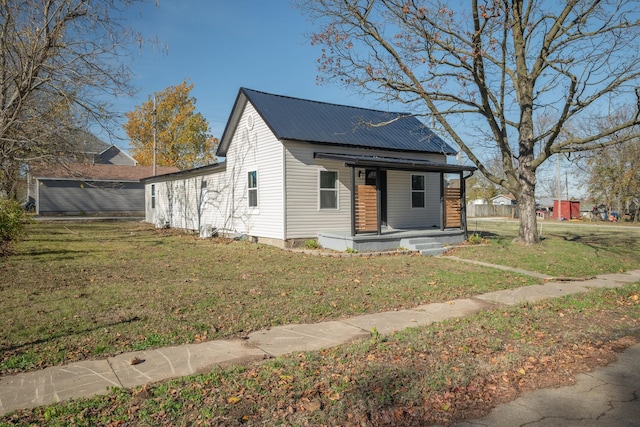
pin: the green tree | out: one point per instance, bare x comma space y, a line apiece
180, 132
485, 71
59, 61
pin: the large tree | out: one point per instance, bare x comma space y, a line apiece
181, 133
488, 73
60, 61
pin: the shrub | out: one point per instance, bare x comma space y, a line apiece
475, 239
311, 244
12, 223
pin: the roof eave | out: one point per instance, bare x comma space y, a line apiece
360, 147
354, 161
189, 173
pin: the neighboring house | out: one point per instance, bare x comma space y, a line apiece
503, 199
96, 178
87, 148
297, 169
477, 202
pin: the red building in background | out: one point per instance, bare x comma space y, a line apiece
569, 209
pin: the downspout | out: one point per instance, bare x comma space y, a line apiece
284, 195
463, 202
443, 217
353, 200
378, 202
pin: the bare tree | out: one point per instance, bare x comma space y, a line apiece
60, 60
485, 71
612, 174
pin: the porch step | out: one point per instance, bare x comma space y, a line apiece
425, 245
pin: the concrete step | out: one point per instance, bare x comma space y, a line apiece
430, 245
425, 245
433, 252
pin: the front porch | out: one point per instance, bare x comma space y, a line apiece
427, 241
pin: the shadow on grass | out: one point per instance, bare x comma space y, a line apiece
67, 332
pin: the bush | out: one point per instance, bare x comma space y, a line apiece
311, 244
475, 239
12, 223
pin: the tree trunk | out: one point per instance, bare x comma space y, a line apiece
527, 208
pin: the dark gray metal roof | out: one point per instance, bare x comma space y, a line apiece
303, 120
394, 163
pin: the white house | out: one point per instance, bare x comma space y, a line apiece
291, 167
502, 199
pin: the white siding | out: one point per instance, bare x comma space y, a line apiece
305, 219
187, 203
223, 203
256, 148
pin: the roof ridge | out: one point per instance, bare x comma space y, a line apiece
313, 101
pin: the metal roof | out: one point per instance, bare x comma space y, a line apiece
394, 163
303, 120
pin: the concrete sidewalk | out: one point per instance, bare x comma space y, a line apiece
89, 378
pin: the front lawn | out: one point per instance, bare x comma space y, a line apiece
79, 290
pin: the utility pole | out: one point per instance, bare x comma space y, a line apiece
559, 182
155, 126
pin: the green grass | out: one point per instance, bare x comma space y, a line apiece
437, 374
82, 290
567, 249
74, 291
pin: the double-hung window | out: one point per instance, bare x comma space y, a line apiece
252, 188
328, 190
418, 191
153, 196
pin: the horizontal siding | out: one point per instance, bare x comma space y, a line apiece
222, 203
256, 148
305, 219
400, 214
304, 216
80, 197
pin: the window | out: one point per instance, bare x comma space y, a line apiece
153, 196
328, 190
252, 187
418, 193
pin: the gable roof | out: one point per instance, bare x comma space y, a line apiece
100, 172
86, 142
302, 120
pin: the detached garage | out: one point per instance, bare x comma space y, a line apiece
92, 189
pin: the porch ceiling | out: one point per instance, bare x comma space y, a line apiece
393, 163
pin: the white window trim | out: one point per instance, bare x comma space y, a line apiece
337, 190
411, 191
253, 209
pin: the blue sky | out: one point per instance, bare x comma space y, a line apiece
222, 45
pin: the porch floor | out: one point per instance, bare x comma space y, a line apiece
390, 239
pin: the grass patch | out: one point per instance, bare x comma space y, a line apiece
75, 291
445, 372
567, 249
